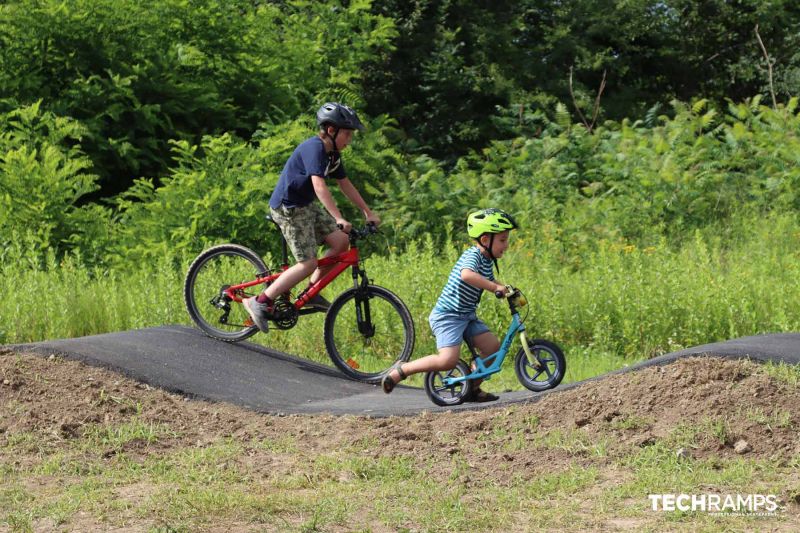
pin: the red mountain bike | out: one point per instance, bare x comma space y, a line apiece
367, 328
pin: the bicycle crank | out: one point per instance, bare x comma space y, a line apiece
285, 314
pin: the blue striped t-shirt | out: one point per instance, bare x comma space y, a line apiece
458, 296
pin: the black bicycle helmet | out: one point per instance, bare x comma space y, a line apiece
338, 115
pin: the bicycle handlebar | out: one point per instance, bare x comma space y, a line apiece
360, 233
508, 292
514, 295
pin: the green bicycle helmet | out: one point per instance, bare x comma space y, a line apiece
489, 221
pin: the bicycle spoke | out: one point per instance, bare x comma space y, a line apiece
211, 308
542, 367
452, 394
450, 389
369, 354
444, 388
539, 373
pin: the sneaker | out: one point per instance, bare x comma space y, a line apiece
258, 312
319, 303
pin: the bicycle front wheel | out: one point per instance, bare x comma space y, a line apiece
547, 371
367, 330
210, 274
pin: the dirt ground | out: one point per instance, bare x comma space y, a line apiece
57, 398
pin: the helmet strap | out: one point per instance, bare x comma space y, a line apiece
491, 243
332, 138
334, 153
489, 250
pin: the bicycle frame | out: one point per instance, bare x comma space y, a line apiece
339, 263
496, 359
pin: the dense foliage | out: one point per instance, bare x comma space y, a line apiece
629, 180
138, 133
455, 74
456, 60
138, 74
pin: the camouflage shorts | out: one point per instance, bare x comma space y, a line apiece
304, 228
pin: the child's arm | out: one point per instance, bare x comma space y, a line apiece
476, 280
325, 196
352, 193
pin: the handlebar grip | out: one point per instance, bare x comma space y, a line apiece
509, 291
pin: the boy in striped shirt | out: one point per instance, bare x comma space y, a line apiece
453, 317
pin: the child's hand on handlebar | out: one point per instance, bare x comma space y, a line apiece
372, 218
344, 225
501, 291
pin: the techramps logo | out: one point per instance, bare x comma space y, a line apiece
718, 504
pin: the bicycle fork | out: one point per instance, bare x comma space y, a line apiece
363, 316
531, 358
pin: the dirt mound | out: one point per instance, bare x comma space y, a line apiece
712, 410
729, 401
735, 399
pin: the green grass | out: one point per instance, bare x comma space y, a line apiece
788, 374
193, 487
779, 419
335, 491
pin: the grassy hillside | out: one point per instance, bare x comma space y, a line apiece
85, 449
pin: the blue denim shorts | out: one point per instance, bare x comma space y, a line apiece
449, 327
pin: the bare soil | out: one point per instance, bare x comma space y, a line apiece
57, 399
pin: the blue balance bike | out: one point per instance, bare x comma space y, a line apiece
539, 364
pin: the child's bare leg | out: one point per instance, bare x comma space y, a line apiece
446, 359
487, 344
338, 243
291, 277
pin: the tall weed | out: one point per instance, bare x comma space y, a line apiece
610, 306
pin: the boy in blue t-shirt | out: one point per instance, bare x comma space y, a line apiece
453, 316
303, 222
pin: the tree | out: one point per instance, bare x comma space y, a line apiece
447, 71
139, 73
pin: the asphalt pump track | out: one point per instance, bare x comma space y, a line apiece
183, 360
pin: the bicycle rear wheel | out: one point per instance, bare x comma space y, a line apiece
210, 274
448, 395
367, 330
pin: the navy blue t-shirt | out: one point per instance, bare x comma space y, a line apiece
294, 188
